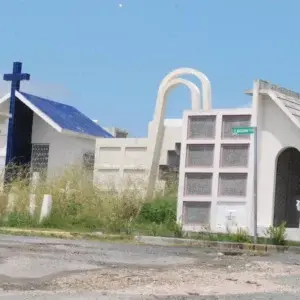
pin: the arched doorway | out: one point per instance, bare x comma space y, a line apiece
287, 188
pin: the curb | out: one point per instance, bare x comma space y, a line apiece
36, 232
264, 248
153, 240
65, 234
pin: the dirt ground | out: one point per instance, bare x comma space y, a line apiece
219, 276
36, 267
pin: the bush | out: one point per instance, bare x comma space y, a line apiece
20, 220
160, 210
277, 235
158, 217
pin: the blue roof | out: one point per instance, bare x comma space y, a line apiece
67, 117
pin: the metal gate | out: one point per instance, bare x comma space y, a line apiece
39, 158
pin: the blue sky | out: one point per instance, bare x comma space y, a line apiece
108, 61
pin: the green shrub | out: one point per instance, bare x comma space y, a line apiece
160, 210
277, 235
15, 219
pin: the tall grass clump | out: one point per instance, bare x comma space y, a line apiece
78, 204
277, 235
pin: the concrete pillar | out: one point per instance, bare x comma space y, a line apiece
46, 207
32, 204
32, 197
11, 202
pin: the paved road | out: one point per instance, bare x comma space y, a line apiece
44, 268
101, 296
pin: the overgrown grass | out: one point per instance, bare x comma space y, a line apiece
80, 206
240, 236
86, 207
277, 235
274, 235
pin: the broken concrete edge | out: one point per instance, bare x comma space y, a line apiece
150, 240
222, 246
65, 234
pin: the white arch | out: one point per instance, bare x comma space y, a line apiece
173, 83
157, 128
206, 87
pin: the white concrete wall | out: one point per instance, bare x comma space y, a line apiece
219, 206
125, 160
172, 134
64, 150
121, 161
276, 132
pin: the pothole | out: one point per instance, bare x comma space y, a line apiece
232, 253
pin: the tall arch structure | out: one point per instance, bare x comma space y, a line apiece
157, 130
194, 90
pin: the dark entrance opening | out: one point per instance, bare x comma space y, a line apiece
23, 132
21, 145
287, 188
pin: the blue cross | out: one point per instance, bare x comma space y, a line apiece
16, 77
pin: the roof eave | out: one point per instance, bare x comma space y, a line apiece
249, 92
275, 99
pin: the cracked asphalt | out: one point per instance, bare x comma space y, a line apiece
47, 268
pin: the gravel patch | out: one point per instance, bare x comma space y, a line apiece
237, 278
39, 268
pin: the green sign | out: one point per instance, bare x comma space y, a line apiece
242, 130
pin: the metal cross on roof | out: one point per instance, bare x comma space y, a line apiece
16, 77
